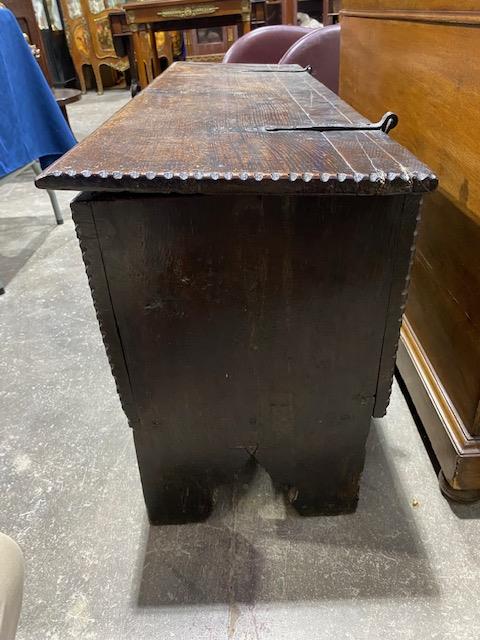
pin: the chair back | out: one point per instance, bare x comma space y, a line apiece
320, 49
265, 45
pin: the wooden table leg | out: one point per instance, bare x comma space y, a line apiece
245, 26
63, 109
142, 63
155, 62
246, 17
148, 65
134, 88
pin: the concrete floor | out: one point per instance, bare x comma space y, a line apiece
71, 497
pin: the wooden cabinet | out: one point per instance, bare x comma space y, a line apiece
209, 43
331, 11
325, 11
90, 39
422, 60
23, 11
289, 11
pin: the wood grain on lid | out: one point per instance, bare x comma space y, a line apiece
200, 128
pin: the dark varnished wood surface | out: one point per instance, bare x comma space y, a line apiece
149, 10
200, 128
92, 258
66, 96
245, 332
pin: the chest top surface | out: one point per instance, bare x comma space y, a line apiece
206, 128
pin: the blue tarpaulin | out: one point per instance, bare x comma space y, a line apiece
32, 126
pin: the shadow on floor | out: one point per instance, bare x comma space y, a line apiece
254, 548
465, 511
21, 238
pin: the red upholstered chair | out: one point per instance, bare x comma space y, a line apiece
265, 45
319, 48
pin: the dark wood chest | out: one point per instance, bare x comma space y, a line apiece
249, 274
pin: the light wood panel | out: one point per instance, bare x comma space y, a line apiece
410, 5
422, 60
436, 110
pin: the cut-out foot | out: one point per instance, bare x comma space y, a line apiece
179, 503
309, 502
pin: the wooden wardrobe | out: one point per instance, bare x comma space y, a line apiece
422, 60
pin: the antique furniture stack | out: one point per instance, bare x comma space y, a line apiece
248, 256
90, 39
425, 61
148, 17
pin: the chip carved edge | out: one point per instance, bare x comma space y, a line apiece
91, 255
411, 181
389, 358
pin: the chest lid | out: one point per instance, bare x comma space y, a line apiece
212, 128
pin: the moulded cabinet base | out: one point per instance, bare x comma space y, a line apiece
456, 495
457, 451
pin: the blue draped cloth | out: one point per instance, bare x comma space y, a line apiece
32, 126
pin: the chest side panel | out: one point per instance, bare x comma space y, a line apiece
247, 320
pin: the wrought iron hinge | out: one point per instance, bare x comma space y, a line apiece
386, 124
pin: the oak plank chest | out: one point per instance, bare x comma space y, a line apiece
247, 238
